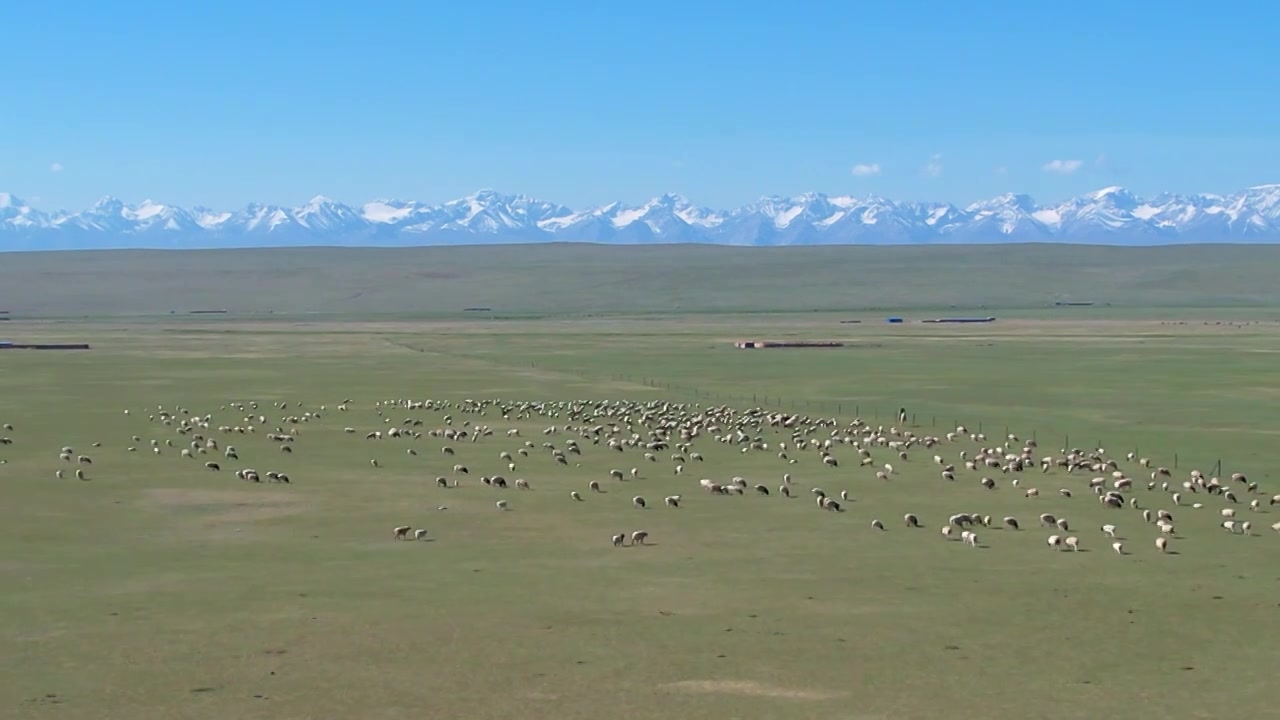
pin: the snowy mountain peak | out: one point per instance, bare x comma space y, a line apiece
1111, 215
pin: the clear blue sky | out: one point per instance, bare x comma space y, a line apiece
222, 103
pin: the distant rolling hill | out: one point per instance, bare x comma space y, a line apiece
585, 278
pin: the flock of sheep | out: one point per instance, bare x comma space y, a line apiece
664, 436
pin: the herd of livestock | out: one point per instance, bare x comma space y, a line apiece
659, 437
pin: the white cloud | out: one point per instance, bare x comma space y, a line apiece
933, 168
866, 169
1062, 167
55, 167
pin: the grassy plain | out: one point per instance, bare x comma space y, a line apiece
562, 279
158, 589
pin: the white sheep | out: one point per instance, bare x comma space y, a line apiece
880, 526
1162, 544
638, 502
1109, 530
1054, 542
1246, 528
946, 532
501, 504
1228, 512
1073, 542
419, 534
672, 501
638, 537
1118, 547
402, 531
619, 540
575, 495
971, 538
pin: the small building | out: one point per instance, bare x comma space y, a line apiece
961, 320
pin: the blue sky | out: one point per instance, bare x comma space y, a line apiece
584, 103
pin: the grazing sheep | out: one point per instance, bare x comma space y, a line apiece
762, 490
594, 486
402, 532
638, 502
880, 526
946, 531
1162, 544
419, 534
1055, 542
619, 540
672, 501
212, 466
971, 538
1109, 530
1118, 547
910, 520
1275, 526
1228, 512
1011, 523
1073, 542
501, 504
784, 490
638, 537
1229, 526
1246, 528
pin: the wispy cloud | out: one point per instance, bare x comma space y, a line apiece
1002, 170
55, 167
933, 168
866, 169
1062, 167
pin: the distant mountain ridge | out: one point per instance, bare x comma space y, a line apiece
1110, 216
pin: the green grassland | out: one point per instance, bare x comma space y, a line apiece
159, 589
574, 278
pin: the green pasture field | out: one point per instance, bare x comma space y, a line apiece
158, 589
564, 278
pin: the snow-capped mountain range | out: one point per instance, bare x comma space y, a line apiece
1111, 216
